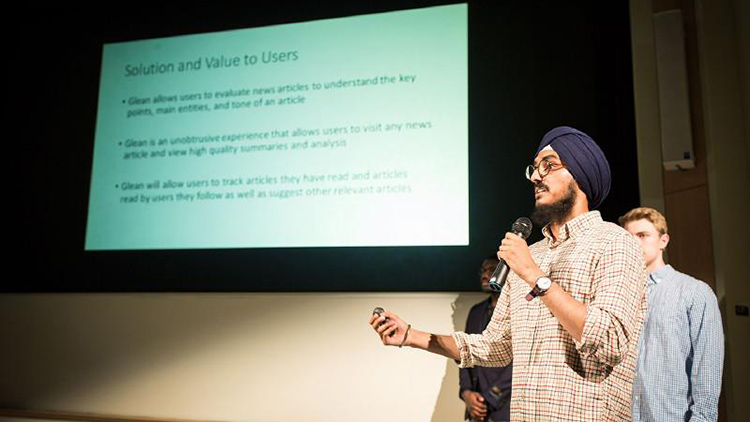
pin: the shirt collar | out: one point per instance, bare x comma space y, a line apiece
575, 227
661, 274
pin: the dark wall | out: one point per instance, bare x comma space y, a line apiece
533, 65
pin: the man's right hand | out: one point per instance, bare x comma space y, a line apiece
392, 331
474, 404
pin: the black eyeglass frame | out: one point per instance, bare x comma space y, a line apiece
544, 168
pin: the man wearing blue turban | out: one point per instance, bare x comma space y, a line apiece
584, 160
573, 305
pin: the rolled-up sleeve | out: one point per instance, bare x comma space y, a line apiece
493, 347
618, 305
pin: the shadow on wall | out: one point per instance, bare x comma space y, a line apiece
81, 345
726, 379
215, 356
445, 406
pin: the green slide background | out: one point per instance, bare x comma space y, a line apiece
426, 204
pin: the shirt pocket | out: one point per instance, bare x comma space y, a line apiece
667, 318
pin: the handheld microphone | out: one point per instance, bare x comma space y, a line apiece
522, 227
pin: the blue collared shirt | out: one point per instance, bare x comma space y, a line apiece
680, 352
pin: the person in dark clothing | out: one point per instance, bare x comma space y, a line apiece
486, 391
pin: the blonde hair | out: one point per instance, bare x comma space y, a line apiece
645, 213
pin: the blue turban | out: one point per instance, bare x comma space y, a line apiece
584, 160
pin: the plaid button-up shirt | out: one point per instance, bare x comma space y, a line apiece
556, 378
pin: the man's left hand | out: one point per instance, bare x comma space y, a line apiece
517, 255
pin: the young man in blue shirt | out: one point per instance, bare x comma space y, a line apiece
681, 349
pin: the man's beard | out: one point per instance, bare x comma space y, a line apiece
556, 212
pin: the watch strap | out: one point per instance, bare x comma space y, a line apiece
536, 291
532, 294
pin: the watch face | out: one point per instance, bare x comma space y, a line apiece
544, 283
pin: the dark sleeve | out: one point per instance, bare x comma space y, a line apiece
464, 380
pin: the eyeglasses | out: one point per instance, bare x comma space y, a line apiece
544, 167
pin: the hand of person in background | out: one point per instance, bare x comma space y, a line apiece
475, 404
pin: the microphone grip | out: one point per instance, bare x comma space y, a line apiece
497, 280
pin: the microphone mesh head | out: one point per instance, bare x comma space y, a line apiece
522, 227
